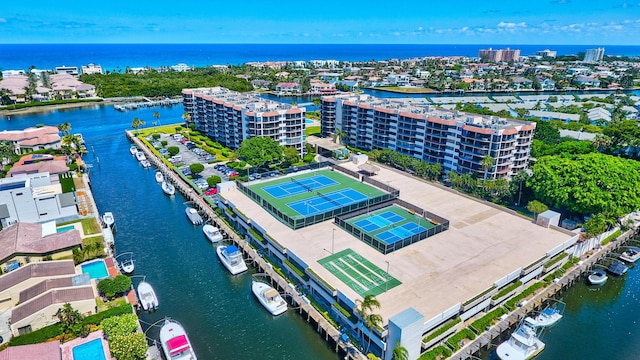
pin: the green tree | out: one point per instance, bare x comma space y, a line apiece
594, 226
129, 347
486, 163
119, 325
136, 123
601, 141
173, 150
114, 287
64, 128
400, 352
365, 309
259, 151
71, 321
156, 115
536, 207
291, 156
213, 180
316, 102
623, 133
196, 168
339, 135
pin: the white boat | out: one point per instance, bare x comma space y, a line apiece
548, 317
631, 255
108, 219
159, 177
147, 296
128, 266
168, 188
145, 163
598, 277
133, 149
140, 155
269, 297
522, 344
193, 216
232, 259
174, 341
212, 233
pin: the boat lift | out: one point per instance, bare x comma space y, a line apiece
127, 266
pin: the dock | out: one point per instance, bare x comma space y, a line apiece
147, 103
331, 335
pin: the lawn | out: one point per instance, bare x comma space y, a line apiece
407, 90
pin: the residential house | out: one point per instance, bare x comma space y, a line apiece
42, 351
521, 83
39, 163
66, 86
70, 70
398, 79
320, 88
586, 81
288, 89
91, 69
32, 139
181, 67
546, 84
598, 114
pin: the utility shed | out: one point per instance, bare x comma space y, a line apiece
548, 218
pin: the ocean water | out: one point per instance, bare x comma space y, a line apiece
118, 56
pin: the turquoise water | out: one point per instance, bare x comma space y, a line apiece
91, 350
96, 269
66, 228
308, 122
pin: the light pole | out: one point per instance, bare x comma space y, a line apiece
386, 283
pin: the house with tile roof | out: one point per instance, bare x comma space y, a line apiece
33, 138
43, 351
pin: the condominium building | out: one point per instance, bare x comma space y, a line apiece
594, 55
499, 55
547, 53
456, 140
230, 117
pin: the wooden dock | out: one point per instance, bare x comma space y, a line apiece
501, 330
330, 334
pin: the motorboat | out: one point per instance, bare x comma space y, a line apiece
617, 268
193, 216
522, 344
631, 255
212, 233
147, 296
159, 177
145, 163
548, 317
598, 277
269, 297
127, 266
174, 341
133, 149
140, 156
108, 219
231, 258
168, 189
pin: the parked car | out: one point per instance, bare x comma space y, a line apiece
211, 191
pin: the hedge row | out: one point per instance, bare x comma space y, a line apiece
555, 260
453, 342
511, 303
439, 352
611, 237
442, 329
507, 290
481, 324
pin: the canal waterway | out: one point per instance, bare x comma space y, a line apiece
221, 316
219, 312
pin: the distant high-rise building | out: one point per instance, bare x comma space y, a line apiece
594, 55
547, 53
499, 55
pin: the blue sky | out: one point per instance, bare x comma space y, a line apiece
589, 22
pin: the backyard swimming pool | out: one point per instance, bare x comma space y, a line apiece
91, 350
96, 269
65, 228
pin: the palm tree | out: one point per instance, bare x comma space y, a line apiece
156, 115
186, 117
64, 128
601, 141
136, 123
536, 207
400, 352
339, 135
71, 321
487, 164
365, 308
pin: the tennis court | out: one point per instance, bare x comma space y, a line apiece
391, 224
358, 273
379, 221
322, 203
298, 186
400, 233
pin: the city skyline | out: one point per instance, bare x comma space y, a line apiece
556, 22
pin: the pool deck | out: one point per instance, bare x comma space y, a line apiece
66, 349
482, 245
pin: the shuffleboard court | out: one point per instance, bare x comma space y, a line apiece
358, 273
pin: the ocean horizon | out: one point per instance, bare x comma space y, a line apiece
114, 57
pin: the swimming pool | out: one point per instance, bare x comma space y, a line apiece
65, 228
96, 269
308, 122
91, 350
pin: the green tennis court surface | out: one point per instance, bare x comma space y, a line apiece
359, 273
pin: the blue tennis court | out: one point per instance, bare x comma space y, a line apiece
378, 221
400, 233
327, 202
299, 186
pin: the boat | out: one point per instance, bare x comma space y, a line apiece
109, 220
598, 277
617, 268
159, 177
269, 297
212, 233
145, 163
522, 344
140, 156
147, 296
232, 259
174, 341
193, 216
126, 266
631, 255
168, 189
133, 149
548, 317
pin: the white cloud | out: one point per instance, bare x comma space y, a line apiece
511, 25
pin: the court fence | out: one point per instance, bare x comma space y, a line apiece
298, 222
440, 224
